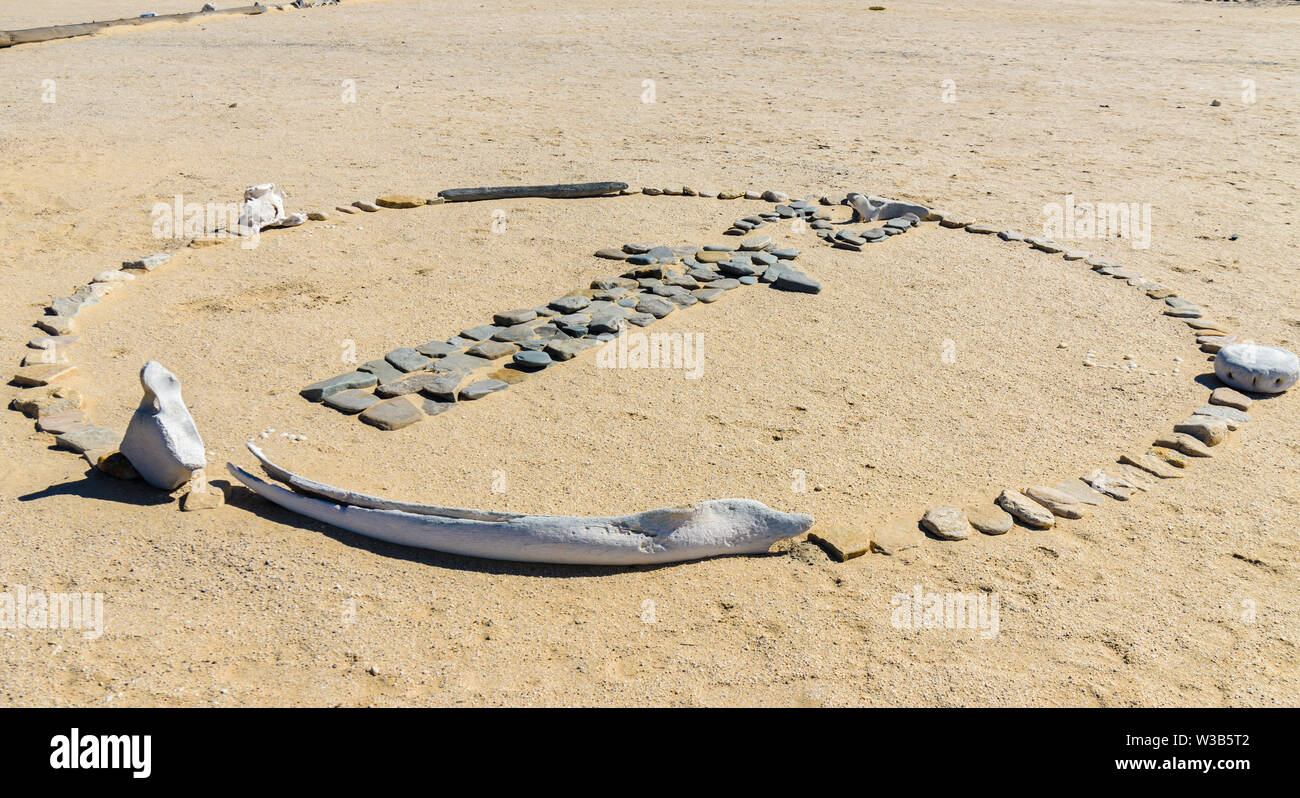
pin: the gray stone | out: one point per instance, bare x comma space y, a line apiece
1181, 442
477, 390
608, 320
611, 254
147, 264
1025, 510
459, 362
946, 523
1080, 491
1207, 429
392, 414
708, 295
571, 304
791, 280
685, 300
407, 359
87, 436
484, 331
1058, 502
1231, 415
1258, 368
519, 332
756, 242
433, 407
641, 319
383, 370
1229, 398
438, 349
317, 391
655, 306
726, 284
444, 387
512, 317
988, 519
562, 350
785, 254
492, 349
533, 359
413, 383
1011, 235
351, 401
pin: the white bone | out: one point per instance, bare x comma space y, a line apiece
161, 440
670, 534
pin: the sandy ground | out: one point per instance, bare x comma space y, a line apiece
1138, 604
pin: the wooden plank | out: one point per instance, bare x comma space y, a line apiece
552, 191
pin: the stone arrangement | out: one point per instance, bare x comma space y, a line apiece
410, 383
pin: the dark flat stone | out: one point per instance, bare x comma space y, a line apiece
791, 280
317, 391
437, 349
392, 414
533, 360
477, 390
570, 304
512, 317
492, 349
383, 370
351, 401
459, 362
483, 331
407, 359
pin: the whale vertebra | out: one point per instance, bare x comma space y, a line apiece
670, 534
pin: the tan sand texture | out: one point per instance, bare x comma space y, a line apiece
927, 371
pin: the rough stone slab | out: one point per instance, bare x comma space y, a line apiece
1025, 510
57, 325
492, 349
57, 423
148, 263
1110, 484
988, 519
400, 201
1207, 429
392, 414
946, 522
42, 374
897, 535
384, 371
1181, 442
459, 362
438, 349
481, 388
1058, 502
842, 541
1150, 465
209, 499
87, 436
1079, 490
317, 391
350, 401
444, 387
510, 318
407, 359
561, 350
1230, 398
1233, 416
41, 402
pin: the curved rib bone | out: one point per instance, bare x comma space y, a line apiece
669, 534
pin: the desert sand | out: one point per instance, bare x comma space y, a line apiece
929, 369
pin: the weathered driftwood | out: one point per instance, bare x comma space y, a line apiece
670, 534
53, 32
554, 191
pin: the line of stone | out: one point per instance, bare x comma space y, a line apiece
1260, 370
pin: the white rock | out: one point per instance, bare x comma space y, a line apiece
1253, 367
263, 207
113, 276
161, 441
